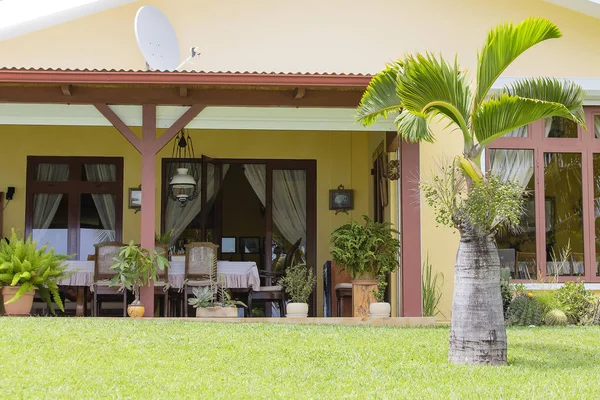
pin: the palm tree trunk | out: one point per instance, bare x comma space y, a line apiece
477, 333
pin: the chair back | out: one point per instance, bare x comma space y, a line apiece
106, 253
201, 261
162, 249
292, 255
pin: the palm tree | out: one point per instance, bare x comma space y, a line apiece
423, 86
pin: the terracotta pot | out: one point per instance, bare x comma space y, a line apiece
297, 310
365, 276
19, 307
136, 311
379, 310
217, 312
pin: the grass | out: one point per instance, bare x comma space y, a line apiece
150, 359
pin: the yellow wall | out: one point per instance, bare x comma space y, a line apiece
342, 158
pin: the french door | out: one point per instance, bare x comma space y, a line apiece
73, 203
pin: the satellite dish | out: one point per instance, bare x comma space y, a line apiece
156, 39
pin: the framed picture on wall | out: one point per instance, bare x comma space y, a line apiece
341, 199
135, 198
250, 245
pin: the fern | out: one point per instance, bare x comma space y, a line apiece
23, 264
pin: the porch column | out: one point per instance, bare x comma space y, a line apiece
148, 223
411, 305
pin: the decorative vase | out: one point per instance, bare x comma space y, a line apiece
379, 310
21, 307
217, 312
297, 310
136, 311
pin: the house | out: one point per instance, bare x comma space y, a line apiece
275, 101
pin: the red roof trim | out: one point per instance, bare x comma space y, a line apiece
60, 76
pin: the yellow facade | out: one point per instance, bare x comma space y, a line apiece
342, 158
307, 36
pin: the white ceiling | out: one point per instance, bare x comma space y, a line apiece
588, 7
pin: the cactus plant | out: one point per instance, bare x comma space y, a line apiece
556, 317
525, 311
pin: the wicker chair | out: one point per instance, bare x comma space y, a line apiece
103, 260
200, 269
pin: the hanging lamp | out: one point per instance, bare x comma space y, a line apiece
183, 186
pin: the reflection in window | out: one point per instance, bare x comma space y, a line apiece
50, 221
517, 133
558, 127
563, 214
97, 222
517, 249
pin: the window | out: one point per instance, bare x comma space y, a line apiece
74, 202
559, 165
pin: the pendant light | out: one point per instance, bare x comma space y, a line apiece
183, 186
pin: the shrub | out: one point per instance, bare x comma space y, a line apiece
575, 301
298, 282
525, 311
379, 292
548, 300
506, 290
556, 317
22, 264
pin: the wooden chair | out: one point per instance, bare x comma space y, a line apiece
162, 286
200, 269
273, 292
104, 258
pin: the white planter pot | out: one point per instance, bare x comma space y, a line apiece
379, 310
297, 310
217, 312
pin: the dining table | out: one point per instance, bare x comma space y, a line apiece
237, 275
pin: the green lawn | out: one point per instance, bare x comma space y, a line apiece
87, 358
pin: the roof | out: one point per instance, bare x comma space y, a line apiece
201, 78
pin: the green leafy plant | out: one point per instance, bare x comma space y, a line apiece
135, 266
298, 282
23, 264
379, 291
525, 311
431, 287
575, 301
368, 249
556, 317
203, 297
548, 300
164, 238
506, 290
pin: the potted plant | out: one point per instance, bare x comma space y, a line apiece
366, 251
134, 267
162, 243
380, 308
25, 268
206, 306
298, 283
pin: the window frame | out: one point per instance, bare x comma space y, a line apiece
585, 144
74, 187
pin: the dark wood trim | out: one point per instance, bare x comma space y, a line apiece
1, 214
392, 141
73, 189
268, 217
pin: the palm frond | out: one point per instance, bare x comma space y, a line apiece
430, 86
504, 44
381, 97
500, 115
413, 127
552, 90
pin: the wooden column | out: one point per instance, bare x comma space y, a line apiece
149, 146
148, 219
411, 305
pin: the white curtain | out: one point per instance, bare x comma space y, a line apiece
178, 218
45, 205
512, 165
105, 203
289, 199
519, 132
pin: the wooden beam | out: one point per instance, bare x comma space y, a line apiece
392, 140
170, 96
299, 93
183, 91
114, 119
178, 125
66, 90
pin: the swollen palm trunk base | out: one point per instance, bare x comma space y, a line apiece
477, 332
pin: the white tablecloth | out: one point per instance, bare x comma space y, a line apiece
238, 274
